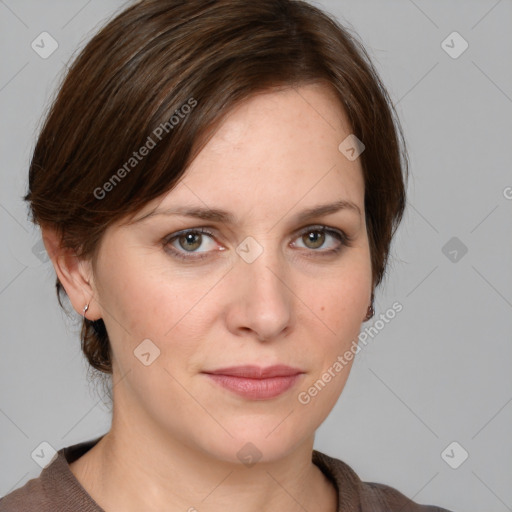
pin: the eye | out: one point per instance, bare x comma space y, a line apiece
314, 237
188, 241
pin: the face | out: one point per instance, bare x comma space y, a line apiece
266, 287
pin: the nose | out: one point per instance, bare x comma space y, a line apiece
263, 301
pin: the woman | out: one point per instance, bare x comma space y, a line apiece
217, 184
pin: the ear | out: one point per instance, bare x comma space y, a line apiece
75, 275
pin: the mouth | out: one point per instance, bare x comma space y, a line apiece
254, 382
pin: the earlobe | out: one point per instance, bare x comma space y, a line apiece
74, 274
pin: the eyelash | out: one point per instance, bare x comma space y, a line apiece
342, 237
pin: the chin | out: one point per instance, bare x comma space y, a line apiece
265, 440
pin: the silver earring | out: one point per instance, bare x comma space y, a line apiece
86, 307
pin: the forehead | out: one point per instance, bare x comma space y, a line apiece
308, 117
273, 151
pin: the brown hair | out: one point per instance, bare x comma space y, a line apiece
131, 83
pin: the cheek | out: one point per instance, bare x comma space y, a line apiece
144, 300
341, 315
339, 305
342, 301
340, 309
134, 292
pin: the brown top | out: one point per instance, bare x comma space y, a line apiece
57, 489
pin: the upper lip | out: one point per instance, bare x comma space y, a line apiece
257, 372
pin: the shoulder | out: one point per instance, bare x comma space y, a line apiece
390, 500
354, 494
56, 488
27, 498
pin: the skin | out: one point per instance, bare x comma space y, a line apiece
175, 433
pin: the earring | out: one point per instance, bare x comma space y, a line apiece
86, 307
370, 312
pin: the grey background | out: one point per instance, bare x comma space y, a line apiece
439, 372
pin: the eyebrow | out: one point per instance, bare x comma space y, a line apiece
223, 216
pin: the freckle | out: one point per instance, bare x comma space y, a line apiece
322, 308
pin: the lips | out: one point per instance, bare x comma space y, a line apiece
254, 382
256, 372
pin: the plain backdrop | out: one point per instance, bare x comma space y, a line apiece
438, 373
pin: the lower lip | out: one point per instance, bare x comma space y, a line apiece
256, 389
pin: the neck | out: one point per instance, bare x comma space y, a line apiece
132, 470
